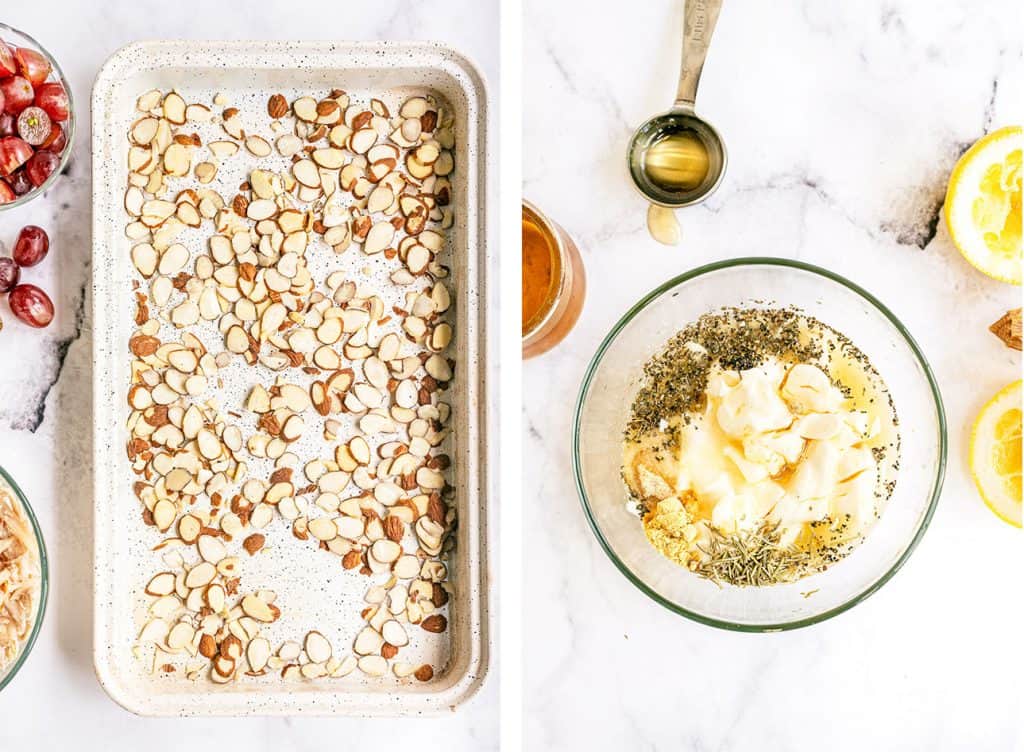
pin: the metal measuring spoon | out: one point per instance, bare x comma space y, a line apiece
679, 130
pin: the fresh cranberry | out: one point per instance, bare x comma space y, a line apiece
6, 194
8, 124
40, 166
18, 94
32, 245
56, 141
13, 154
31, 305
10, 273
32, 65
52, 98
19, 182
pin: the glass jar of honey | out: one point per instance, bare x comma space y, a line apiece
554, 284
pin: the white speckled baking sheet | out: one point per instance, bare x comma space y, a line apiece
319, 594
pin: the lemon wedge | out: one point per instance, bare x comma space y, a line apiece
996, 453
983, 204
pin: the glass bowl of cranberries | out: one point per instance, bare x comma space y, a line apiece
37, 120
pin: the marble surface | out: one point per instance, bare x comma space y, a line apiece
46, 384
842, 122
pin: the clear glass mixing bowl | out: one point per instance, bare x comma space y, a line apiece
8, 674
614, 376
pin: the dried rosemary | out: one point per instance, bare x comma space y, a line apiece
755, 558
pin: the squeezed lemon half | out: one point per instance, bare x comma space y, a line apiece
983, 204
996, 453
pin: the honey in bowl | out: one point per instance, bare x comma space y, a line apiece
540, 273
553, 283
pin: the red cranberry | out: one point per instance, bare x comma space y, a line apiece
19, 182
32, 65
41, 166
52, 98
18, 94
32, 245
31, 305
10, 273
13, 154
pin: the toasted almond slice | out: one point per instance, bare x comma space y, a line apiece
261, 209
237, 340
414, 108
417, 259
188, 528
361, 140
333, 482
386, 551
149, 101
259, 609
373, 665
173, 259
200, 575
145, 259
144, 130
368, 641
232, 124
164, 513
372, 424
437, 366
394, 634
306, 172
407, 567
331, 159
215, 597
318, 648
380, 237
305, 109
427, 153
161, 584
211, 548
223, 668
258, 146
323, 528
222, 149
180, 636
258, 653
177, 161
198, 113
174, 108
289, 144
293, 428
205, 173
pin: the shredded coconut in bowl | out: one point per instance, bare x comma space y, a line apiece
19, 577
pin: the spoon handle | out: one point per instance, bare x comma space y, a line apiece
699, 18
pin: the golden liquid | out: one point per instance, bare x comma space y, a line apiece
541, 269
677, 162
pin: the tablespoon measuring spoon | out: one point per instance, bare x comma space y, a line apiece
677, 158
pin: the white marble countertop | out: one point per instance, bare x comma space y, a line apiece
842, 122
45, 423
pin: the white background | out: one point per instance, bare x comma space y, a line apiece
45, 385
842, 122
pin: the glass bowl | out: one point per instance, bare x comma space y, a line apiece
15, 38
6, 676
614, 376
